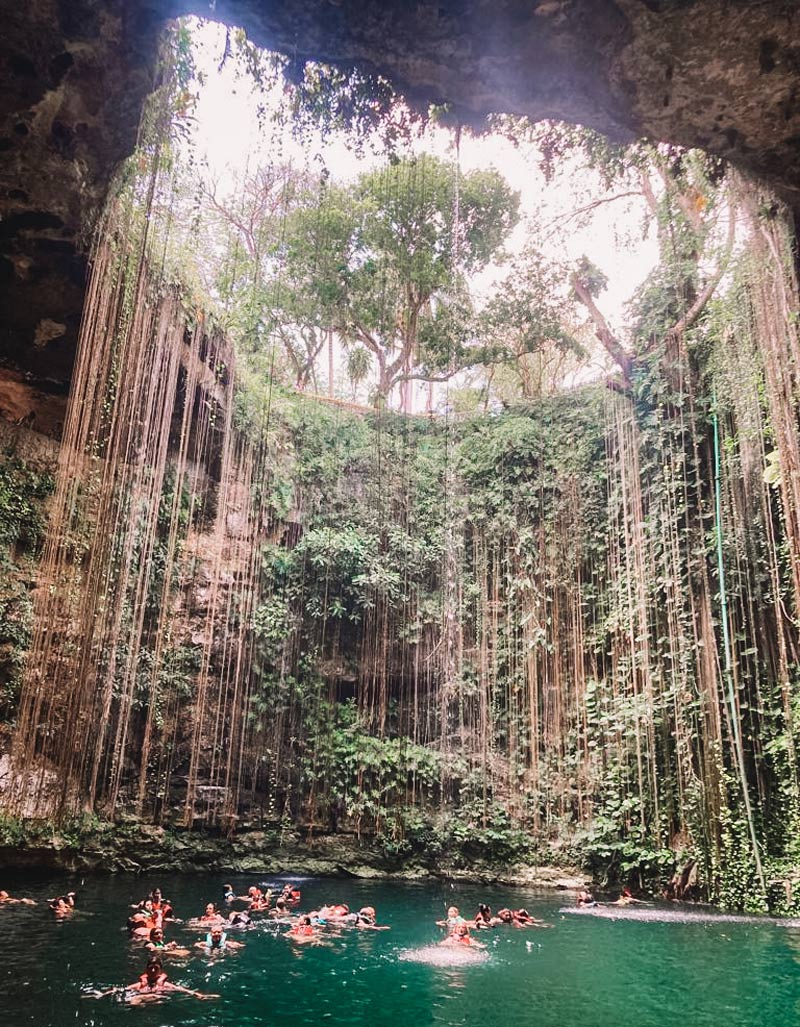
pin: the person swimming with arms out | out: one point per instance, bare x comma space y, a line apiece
229, 895
7, 899
217, 941
152, 985
626, 898
522, 918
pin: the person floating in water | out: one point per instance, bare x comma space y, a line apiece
159, 905
453, 920
157, 943
584, 898
366, 919
303, 930
211, 915
5, 898
290, 895
153, 984
64, 905
230, 895
461, 936
217, 941
626, 898
484, 919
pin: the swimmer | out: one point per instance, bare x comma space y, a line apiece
157, 943
366, 920
62, 904
454, 919
217, 941
626, 899
152, 983
239, 919
461, 936
522, 918
302, 931
160, 905
230, 895
61, 907
140, 925
211, 915
280, 910
290, 895
484, 919
5, 898
584, 898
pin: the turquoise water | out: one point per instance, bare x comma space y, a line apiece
584, 972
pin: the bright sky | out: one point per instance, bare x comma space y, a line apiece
230, 138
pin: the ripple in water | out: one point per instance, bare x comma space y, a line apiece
444, 955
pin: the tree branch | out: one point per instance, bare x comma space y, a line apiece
710, 287
612, 345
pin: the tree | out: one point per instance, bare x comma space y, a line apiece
528, 326
384, 264
679, 290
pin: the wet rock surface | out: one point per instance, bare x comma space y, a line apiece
141, 847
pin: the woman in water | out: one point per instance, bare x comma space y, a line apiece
211, 916
461, 936
157, 943
152, 985
366, 919
522, 918
153, 982
484, 918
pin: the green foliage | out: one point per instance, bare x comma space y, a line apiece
22, 491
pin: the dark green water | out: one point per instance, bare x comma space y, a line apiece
584, 972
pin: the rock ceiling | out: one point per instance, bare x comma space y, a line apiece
720, 74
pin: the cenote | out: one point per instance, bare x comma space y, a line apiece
583, 971
402, 499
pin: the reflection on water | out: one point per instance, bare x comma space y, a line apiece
689, 967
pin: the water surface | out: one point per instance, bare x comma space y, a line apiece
586, 971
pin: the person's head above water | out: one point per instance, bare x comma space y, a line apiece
154, 969
156, 934
452, 912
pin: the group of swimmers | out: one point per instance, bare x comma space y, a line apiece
61, 905
151, 916
458, 928
585, 899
